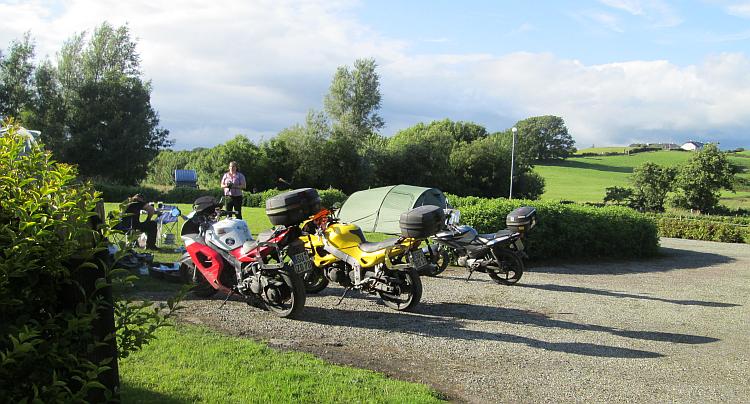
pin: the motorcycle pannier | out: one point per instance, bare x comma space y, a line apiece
293, 207
421, 222
522, 219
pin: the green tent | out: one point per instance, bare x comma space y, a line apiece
378, 209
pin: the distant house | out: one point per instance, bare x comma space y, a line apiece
670, 146
692, 146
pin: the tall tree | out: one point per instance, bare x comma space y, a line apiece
16, 77
112, 131
545, 137
47, 112
700, 180
354, 99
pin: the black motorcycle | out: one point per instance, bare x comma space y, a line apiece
499, 254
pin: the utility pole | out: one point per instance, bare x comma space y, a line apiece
512, 161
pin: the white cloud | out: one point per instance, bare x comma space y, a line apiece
739, 9
657, 12
223, 68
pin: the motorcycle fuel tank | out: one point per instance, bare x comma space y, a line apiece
461, 234
229, 234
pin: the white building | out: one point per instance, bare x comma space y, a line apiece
692, 146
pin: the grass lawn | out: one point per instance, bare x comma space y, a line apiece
584, 179
189, 364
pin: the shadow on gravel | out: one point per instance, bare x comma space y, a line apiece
601, 292
441, 325
515, 316
669, 259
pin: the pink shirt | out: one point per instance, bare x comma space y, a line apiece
238, 183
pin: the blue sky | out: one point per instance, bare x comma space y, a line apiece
617, 71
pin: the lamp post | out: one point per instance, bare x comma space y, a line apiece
512, 157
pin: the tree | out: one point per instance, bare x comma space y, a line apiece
700, 180
617, 195
420, 155
109, 113
353, 100
651, 184
544, 138
16, 77
48, 108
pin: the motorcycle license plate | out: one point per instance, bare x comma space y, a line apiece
302, 262
418, 259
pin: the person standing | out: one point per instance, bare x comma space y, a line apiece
233, 183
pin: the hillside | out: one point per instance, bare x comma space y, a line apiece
584, 179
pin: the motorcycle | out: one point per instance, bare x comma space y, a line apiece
222, 256
340, 253
499, 254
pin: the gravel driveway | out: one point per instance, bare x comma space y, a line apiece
671, 329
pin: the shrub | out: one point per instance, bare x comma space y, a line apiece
56, 322
696, 229
330, 196
571, 231
258, 200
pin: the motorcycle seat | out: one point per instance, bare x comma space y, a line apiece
505, 234
253, 244
372, 247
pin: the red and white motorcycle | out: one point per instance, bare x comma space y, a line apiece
222, 256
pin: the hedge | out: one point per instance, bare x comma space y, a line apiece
696, 229
570, 231
119, 193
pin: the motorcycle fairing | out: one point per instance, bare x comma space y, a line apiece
208, 261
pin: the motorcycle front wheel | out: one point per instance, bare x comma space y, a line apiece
191, 275
314, 281
408, 291
508, 270
285, 295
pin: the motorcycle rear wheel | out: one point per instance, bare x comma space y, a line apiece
439, 260
292, 300
409, 291
510, 268
315, 281
191, 275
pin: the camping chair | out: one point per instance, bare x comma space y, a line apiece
129, 235
166, 224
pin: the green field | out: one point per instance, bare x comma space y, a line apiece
584, 179
600, 150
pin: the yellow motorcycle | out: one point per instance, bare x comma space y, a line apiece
340, 253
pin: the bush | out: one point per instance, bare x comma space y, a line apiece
697, 229
571, 231
56, 314
331, 196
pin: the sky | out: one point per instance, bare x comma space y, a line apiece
617, 71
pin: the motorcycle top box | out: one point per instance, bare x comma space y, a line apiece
421, 222
293, 207
522, 219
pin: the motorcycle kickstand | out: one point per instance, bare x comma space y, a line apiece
471, 272
231, 293
343, 296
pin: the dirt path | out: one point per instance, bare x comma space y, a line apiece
672, 329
